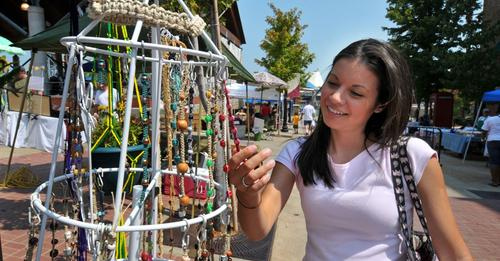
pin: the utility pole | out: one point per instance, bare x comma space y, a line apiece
215, 24
219, 173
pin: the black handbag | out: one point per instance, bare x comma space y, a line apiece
418, 243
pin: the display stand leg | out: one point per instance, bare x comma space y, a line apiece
55, 150
135, 237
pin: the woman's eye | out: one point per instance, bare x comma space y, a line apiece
334, 84
356, 94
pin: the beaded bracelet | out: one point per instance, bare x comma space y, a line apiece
245, 206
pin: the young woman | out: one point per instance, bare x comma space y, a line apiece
343, 171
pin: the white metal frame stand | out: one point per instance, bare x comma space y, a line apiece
81, 44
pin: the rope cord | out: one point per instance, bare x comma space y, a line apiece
168, 153
127, 12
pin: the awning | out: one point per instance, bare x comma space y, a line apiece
241, 73
48, 40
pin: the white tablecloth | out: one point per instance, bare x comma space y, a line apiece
34, 131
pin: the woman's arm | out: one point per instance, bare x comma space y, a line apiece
446, 238
261, 202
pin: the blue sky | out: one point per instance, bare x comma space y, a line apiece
332, 25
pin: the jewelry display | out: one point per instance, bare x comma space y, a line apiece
166, 85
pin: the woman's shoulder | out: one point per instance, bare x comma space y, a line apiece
289, 153
294, 144
415, 144
291, 148
419, 153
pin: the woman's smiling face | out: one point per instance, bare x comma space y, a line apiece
349, 96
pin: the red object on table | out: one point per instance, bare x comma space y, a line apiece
189, 187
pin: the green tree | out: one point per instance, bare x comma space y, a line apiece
447, 44
474, 63
419, 33
286, 55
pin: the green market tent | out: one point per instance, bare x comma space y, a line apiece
48, 40
237, 70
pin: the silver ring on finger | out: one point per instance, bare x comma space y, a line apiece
243, 182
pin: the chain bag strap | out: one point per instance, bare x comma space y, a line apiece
419, 244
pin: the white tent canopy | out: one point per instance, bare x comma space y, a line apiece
238, 91
315, 81
269, 80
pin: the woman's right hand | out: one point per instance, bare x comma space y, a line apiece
259, 204
247, 171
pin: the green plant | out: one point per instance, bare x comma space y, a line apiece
109, 130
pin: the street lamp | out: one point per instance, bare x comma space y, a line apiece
24, 5
285, 110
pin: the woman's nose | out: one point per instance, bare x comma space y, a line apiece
337, 96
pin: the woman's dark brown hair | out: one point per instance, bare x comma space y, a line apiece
395, 93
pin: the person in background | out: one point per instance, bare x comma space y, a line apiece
424, 120
265, 113
295, 121
482, 118
102, 97
308, 113
242, 115
19, 80
251, 114
343, 170
492, 127
22, 74
274, 113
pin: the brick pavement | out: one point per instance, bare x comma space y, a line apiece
14, 204
478, 219
479, 222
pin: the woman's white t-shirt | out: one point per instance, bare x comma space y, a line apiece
357, 220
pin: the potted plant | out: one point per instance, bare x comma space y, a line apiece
106, 138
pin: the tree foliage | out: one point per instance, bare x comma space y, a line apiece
203, 8
199, 7
286, 55
447, 43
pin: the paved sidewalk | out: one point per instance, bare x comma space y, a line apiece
476, 207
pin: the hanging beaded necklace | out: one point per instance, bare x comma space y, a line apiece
145, 137
211, 134
190, 152
182, 126
168, 153
145, 86
34, 221
53, 227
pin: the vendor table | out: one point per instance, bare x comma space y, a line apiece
457, 142
35, 131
